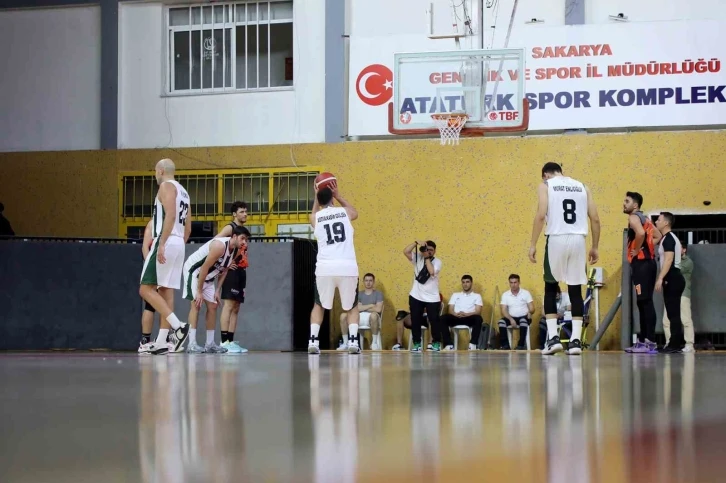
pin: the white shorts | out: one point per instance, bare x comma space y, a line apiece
365, 319
347, 288
167, 274
191, 284
565, 259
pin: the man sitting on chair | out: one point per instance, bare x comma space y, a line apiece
464, 309
517, 307
564, 317
370, 305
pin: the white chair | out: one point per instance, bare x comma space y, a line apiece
455, 329
510, 332
367, 328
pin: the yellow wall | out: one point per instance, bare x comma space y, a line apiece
476, 200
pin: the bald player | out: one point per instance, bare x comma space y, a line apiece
162, 272
564, 205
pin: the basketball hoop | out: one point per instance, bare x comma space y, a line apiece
450, 126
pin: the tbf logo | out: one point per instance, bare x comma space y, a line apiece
375, 85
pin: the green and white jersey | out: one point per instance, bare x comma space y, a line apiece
196, 259
180, 218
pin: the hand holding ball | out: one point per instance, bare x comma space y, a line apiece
325, 180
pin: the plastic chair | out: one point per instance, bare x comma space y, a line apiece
455, 329
510, 332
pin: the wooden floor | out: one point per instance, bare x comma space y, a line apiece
273, 417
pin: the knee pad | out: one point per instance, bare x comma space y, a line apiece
550, 298
149, 307
578, 305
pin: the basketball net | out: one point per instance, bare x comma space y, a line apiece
450, 126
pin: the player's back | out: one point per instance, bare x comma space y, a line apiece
566, 207
181, 206
196, 259
336, 251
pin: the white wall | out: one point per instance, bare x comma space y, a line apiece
597, 11
51, 79
148, 119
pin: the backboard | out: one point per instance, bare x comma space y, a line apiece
488, 85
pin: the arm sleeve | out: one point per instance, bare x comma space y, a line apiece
437, 266
669, 244
529, 297
379, 296
478, 301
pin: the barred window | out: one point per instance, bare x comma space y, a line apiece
230, 47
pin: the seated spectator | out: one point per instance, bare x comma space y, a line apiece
517, 307
464, 309
403, 319
564, 316
370, 306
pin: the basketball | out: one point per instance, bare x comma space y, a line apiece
324, 180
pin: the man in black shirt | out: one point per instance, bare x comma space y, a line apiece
670, 281
5, 228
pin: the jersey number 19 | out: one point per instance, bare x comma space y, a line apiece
336, 233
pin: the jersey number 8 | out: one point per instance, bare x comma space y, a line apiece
569, 207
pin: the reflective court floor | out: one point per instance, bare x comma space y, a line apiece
283, 417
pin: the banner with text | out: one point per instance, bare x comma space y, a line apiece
624, 75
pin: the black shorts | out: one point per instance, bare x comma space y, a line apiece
643, 273
234, 285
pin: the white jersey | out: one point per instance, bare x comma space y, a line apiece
336, 253
196, 259
180, 217
566, 207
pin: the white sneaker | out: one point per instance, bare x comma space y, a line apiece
313, 348
145, 348
448, 348
430, 347
342, 347
194, 348
472, 347
397, 347
686, 350
213, 348
353, 348
159, 348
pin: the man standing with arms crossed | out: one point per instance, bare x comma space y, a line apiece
172, 225
233, 288
564, 205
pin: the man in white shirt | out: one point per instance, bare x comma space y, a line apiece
464, 309
424, 295
517, 307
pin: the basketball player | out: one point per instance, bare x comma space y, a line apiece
564, 204
643, 236
200, 271
147, 316
336, 265
172, 225
233, 289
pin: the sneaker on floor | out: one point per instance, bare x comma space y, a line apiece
520, 347
375, 347
574, 348
145, 348
397, 347
430, 347
353, 348
688, 348
436, 347
159, 348
668, 349
639, 348
416, 348
553, 346
472, 347
342, 347
214, 349
652, 347
448, 348
313, 348
180, 336
233, 347
194, 348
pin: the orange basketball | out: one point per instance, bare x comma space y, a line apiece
324, 180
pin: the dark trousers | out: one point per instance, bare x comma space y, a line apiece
417, 319
473, 321
673, 286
